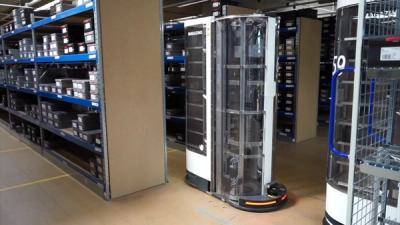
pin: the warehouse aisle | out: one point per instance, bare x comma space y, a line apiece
32, 191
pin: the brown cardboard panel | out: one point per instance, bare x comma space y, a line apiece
133, 94
308, 79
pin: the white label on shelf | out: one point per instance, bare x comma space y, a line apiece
30, 25
90, 4
15, 60
93, 56
53, 17
390, 54
57, 57
32, 60
170, 57
12, 32
59, 96
95, 104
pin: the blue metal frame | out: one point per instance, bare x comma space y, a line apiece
332, 115
175, 59
22, 89
287, 58
173, 26
288, 29
69, 99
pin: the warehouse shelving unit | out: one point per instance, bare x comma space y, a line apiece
326, 65
21, 123
297, 77
175, 84
129, 137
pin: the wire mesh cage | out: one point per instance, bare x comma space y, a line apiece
374, 185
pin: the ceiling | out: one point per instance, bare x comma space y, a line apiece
172, 7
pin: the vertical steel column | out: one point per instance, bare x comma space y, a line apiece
220, 121
269, 102
355, 110
242, 107
102, 100
34, 42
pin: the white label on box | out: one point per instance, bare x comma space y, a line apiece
71, 49
81, 48
65, 40
93, 87
69, 92
88, 26
64, 30
74, 85
80, 86
92, 48
66, 51
92, 78
53, 45
58, 84
80, 119
390, 54
89, 37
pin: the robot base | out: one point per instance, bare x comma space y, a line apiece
276, 198
330, 221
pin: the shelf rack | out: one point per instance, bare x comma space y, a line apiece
88, 10
326, 68
297, 79
176, 123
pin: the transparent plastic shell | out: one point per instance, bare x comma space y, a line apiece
240, 105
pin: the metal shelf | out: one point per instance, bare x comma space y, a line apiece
60, 16
288, 115
69, 137
292, 29
3, 107
22, 89
69, 99
177, 118
175, 59
75, 167
25, 117
67, 58
174, 27
18, 61
385, 163
175, 88
288, 87
287, 58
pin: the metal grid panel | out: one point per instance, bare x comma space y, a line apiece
376, 161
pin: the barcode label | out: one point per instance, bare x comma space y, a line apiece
193, 33
390, 54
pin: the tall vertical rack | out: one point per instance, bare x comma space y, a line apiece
175, 90
24, 98
298, 78
326, 67
38, 107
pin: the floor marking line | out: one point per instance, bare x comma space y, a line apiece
34, 182
13, 150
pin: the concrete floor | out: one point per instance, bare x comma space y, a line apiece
34, 192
